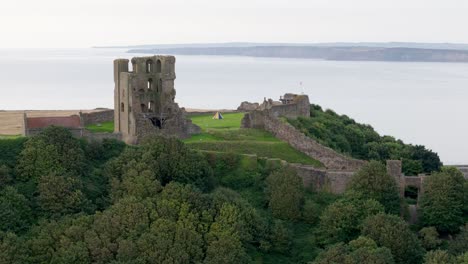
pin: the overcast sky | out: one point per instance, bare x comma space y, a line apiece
85, 23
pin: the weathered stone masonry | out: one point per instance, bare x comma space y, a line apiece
144, 100
268, 117
339, 168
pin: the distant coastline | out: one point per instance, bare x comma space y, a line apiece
344, 53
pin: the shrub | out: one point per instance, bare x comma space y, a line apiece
442, 201
286, 194
373, 182
391, 232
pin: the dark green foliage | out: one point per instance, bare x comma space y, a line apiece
429, 238
5, 176
459, 245
439, 257
391, 232
59, 195
373, 182
342, 220
99, 152
55, 150
12, 249
180, 225
161, 159
363, 250
343, 134
64, 200
286, 194
442, 201
10, 149
15, 211
281, 237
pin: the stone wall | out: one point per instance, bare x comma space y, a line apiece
247, 106
464, 170
301, 107
284, 131
97, 117
323, 180
394, 169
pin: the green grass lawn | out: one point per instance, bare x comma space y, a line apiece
107, 127
225, 135
231, 121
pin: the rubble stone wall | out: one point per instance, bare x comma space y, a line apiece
97, 117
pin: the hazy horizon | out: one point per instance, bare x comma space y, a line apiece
87, 23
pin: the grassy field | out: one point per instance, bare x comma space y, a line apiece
104, 127
225, 135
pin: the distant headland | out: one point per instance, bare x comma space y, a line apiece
339, 51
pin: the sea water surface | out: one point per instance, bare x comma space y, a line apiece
420, 103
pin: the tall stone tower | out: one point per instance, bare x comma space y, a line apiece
144, 99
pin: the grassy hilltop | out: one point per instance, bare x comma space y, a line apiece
225, 135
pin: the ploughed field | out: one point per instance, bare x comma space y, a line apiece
225, 135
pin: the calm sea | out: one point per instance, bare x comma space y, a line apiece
420, 103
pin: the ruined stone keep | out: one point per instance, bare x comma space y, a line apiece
144, 99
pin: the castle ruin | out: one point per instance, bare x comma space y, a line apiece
144, 100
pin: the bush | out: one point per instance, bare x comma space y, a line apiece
459, 245
363, 250
373, 182
391, 232
439, 257
286, 194
341, 221
429, 238
15, 211
441, 203
54, 150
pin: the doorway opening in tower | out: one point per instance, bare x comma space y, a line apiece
158, 122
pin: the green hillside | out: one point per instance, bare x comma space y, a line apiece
361, 141
225, 135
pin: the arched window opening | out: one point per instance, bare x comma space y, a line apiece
150, 84
160, 89
149, 66
143, 108
122, 107
151, 106
158, 66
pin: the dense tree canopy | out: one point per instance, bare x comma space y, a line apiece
373, 182
342, 220
442, 203
286, 194
345, 135
15, 210
53, 151
391, 232
67, 200
363, 250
